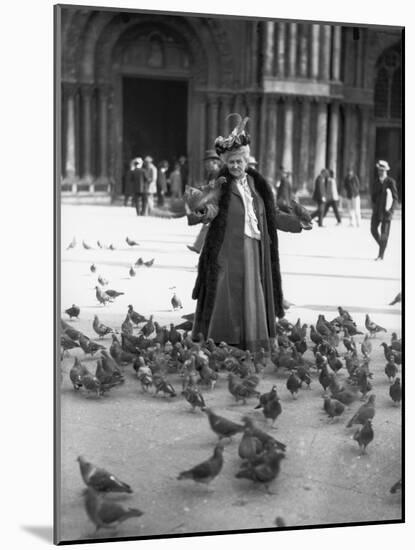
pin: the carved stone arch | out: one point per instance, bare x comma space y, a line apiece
226, 63
72, 41
115, 29
378, 43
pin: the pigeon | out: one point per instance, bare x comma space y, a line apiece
364, 435
135, 317
76, 373
73, 311
272, 409
72, 244
293, 384
131, 242
176, 302
139, 262
101, 329
396, 487
264, 470
101, 480
397, 299
119, 354
240, 390
67, 342
396, 343
222, 426
249, 446
372, 327
149, 327
91, 383
113, 293
93, 268
106, 513
391, 354
267, 440
132, 271
149, 263
365, 412
345, 396
333, 407
89, 346
107, 380
144, 375
127, 325
265, 397
366, 346
86, 246
162, 385
194, 397
71, 332
391, 369
102, 296
395, 391
102, 281
344, 314
315, 336
206, 471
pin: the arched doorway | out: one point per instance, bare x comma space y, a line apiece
388, 110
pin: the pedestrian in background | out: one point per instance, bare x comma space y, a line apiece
284, 190
212, 165
384, 199
129, 187
184, 172
162, 182
138, 185
319, 196
150, 185
351, 186
176, 182
332, 196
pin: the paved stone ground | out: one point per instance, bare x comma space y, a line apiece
147, 441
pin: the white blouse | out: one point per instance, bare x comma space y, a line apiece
251, 228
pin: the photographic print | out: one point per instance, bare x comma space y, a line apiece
229, 292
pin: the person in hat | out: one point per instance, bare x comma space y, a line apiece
212, 164
238, 286
384, 199
150, 188
138, 185
129, 182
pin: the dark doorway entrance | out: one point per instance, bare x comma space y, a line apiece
154, 119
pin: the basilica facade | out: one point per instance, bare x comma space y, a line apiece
146, 83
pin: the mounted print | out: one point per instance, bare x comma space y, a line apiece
229, 353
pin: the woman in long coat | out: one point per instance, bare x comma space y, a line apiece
238, 286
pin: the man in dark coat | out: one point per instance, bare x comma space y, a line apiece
319, 196
284, 188
138, 182
384, 200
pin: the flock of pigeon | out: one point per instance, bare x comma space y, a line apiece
157, 356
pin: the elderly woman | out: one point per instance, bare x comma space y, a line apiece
238, 287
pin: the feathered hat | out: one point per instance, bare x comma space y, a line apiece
237, 138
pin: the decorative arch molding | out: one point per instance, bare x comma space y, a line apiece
379, 42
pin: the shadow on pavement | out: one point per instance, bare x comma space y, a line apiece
44, 532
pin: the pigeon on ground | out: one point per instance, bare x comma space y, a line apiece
249, 446
93, 268
365, 412
102, 281
131, 242
265, 397
144, 375
91, 383
272, 409
72, 244
344, 314
366, 346
149, 263
149, 327
364, 435
293, 384
222, 426
101, 329
194, 397
88, 345
86, 246
240, 390
139, 262
114, 293
395, 391
176, 302
76, 373
67, 342
372, 327
264, 470
100, 479
315, 336
206, 471
107, 380
267, 440
391, 369
73, 311
396, 343
333, 407
71, 332
397, 299
127, 325
119, 354
135, 317
106, 513
161, 384
132, 272
102, 296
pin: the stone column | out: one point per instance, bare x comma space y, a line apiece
287, 155
325, 52
315, 50
303, 65
271, 144
269, 48
213, 105
364, 149
292, 50
103, 94
69, 91
321, 138
254, 52
336, 53
281, 49
304, 144
333, 137
86, 94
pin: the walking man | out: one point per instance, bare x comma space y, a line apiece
332, 197
384, 199
319, 196
351, 186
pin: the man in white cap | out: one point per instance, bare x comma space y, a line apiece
384, 199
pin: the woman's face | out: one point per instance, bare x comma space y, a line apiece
236, 164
